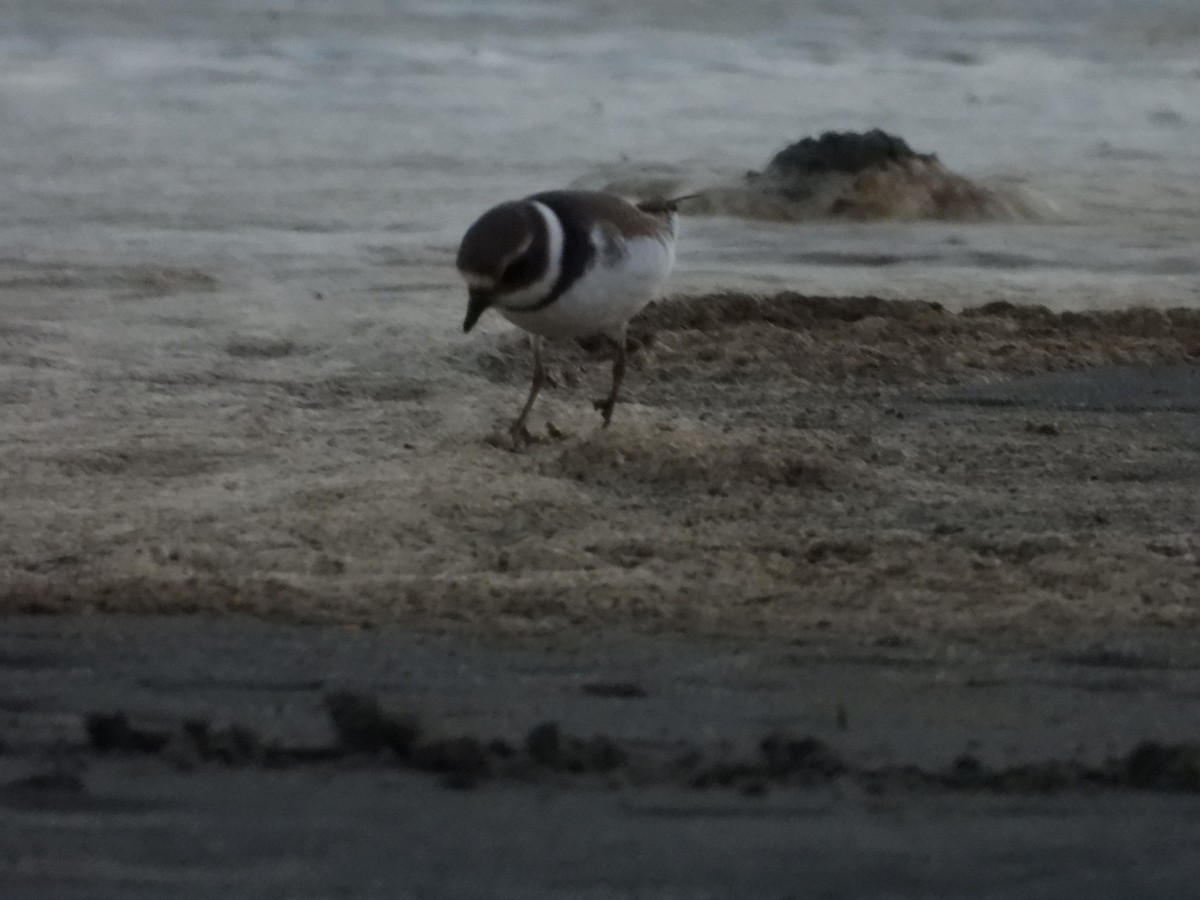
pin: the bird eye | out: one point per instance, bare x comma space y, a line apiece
521, 271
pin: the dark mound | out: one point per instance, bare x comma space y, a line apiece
860, 176
863, 176
841, 151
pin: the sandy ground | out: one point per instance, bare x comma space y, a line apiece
782, 466
950, 557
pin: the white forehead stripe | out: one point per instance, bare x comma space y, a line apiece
554, 246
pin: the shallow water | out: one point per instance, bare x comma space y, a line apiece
271, 140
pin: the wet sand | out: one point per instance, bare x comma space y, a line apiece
730, 815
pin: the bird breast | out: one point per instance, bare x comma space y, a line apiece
622, 279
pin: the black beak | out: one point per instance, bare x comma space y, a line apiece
478, 302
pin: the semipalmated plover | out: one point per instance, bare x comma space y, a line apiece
568, 264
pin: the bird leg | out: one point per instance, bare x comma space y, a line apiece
618, 375
518, 430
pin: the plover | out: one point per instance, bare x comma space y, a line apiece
568, 264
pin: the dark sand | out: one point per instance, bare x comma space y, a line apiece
77, 823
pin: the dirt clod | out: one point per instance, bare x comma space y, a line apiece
806, 758
1164, 767
465, 757
618, 689
363, 726
112, 733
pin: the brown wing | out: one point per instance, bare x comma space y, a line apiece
608, 211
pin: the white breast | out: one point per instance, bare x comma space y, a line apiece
615, 289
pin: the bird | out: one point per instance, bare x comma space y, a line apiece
568, 264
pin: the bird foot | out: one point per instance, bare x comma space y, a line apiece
512, 439
520, 436
605, 406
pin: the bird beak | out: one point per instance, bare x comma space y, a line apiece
660, 205
478, 302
